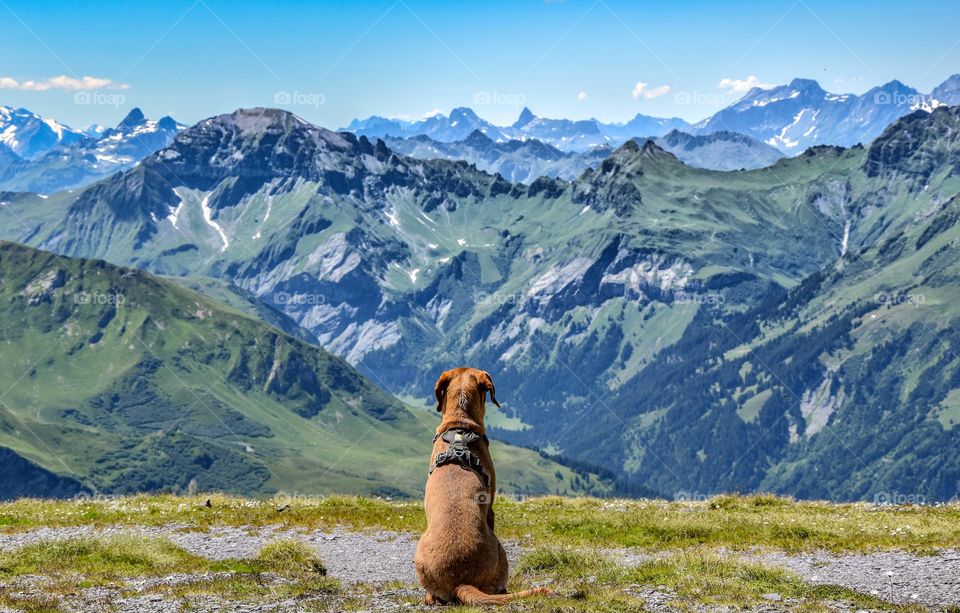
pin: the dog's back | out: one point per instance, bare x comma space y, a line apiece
459, 557
458, 547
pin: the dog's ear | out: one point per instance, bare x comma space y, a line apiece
441, 388
487, 381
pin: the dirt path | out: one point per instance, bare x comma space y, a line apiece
381, 558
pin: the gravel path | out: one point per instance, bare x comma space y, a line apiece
381, 557
894, 576
352, 557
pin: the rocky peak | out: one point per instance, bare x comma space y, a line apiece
948, 92
526, 116
478, 139
134, 118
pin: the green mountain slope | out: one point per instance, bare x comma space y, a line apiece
125, 382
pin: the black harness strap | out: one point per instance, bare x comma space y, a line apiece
458, 442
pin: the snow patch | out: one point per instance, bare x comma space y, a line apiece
208, 217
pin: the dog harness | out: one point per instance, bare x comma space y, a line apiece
458, 442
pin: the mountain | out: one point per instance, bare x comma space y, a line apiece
564, 134
516, 160
691, 330
642, 125
7, 158
719, 150
801, 114
948, 92
119, 382
93, 157
526, 160
790, 117
460, 124
849, 380
29, 135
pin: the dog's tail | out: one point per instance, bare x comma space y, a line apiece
469, 595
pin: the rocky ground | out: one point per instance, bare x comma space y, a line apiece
380, 565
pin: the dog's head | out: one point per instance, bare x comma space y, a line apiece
465, 389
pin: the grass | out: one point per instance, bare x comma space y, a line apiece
588, 580
685, 551
733, 522
289, 556
103, 559
281, 570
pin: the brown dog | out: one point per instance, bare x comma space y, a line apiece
459, 558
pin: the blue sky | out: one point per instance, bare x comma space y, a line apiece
332, 61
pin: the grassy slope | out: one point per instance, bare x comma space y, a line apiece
130, 383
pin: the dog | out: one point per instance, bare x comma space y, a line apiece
459, 558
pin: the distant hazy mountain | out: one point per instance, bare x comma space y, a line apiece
801, 114
29, 135
719, 150
564, 134
948, 92
459, 125
516, 160
789, 117
526, 160
92, 157
7, 158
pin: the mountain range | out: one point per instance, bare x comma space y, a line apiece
787, 328
75, 159
120, 382
527, 160
29, 135
789, 117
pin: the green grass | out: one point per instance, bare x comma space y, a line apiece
589, 580
290, 557
70, 565
103, 559
734, 522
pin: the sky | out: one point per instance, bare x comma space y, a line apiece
329, 62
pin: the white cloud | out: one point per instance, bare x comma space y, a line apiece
742, 86
643, 90
63, 82
432, 113
582, 96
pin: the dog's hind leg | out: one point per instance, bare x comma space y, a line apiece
431, 600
